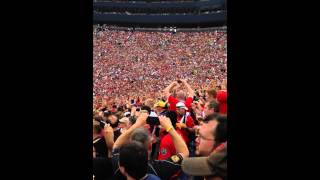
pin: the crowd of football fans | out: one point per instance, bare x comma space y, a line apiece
131, 64
160, 105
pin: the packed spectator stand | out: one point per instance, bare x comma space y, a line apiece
129, 63
159, 90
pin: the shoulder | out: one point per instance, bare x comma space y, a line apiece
189, 99
152, 177
171, 98
174, 160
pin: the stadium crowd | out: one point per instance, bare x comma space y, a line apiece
129, 64
160, 105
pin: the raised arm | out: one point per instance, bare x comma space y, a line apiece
108, 136
122, 139
190, 90
224, 84
178, 142
167, 90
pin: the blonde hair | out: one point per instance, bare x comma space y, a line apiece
212, 92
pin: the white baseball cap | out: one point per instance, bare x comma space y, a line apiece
181, 105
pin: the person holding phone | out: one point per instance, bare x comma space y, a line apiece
163, 169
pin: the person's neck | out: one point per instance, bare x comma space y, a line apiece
210, 99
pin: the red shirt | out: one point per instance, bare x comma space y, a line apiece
167, 148
222, 99
173, 101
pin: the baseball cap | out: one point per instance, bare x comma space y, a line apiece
181, 105
215, 164
124, 120
160, 104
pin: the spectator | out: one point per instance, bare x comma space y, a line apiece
102, 147
123, 124
163, 169
211, 107
133, 162
211, 95
212, 137
112, 119
161, 108
212, 133
99, 143
166, 146
185, 122
213, 167
181, 95
222, 98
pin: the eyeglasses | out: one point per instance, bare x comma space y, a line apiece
198, 135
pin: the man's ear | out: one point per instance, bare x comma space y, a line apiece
122, 170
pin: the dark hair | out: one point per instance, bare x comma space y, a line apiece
141, 135
220, 134
132, 119
96, 126
214, 105
172, 115
134, 158
221, 129
120, 108
210, 117
98, 118
144, 107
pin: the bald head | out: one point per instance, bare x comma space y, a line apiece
181, 95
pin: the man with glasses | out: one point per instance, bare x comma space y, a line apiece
211, 134
211, 145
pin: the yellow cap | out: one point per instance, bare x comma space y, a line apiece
160, 104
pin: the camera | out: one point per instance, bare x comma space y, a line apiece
153, 119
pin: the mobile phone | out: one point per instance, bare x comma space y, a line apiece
153, 119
